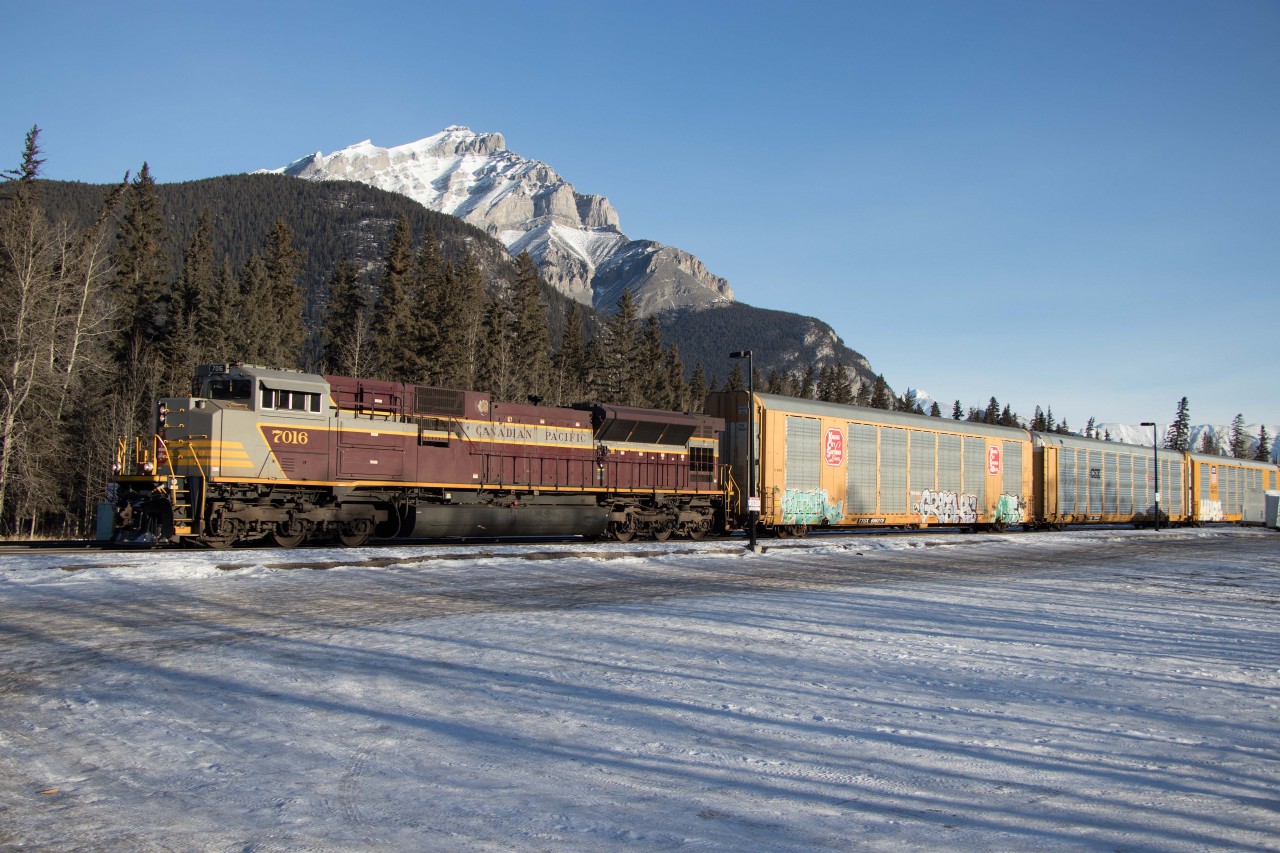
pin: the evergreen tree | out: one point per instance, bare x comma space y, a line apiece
283, 264
1038, 423
992, 413
1209, 443
698, 389
430, 292
675, 393
225, 319
956, 412
616, 380
1263, 453
142, 267
497, 370
935, 411
253, 338
1179, 435
863, 397
650, 373
880, 396
531, 344
456, 315
570, 384
808, 384
1089, 428
346, 323
826, 383
395, 328
28, 172
196, 289
141, 293
735, 382
841, 387
1239, 441
1007, 417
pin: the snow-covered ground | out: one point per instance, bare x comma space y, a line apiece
1102, 690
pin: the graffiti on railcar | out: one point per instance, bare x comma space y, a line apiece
947, 507
809, 506
1011, 509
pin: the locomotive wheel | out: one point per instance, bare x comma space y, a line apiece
623, 531
288, 540
662, 532
697, 532
355, 534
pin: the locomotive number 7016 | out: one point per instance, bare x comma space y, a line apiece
290, 436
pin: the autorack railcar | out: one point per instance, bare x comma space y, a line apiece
1219, 485
829, 465
1090, 481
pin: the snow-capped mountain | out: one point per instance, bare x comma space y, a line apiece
1135, 434
575, 239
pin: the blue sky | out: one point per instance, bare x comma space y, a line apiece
1070, 204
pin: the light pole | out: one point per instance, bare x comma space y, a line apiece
753, 502
1155, 451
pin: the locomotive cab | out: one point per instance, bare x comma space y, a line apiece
219, 433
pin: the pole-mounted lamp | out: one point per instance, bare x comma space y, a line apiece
1155, 450
753, 501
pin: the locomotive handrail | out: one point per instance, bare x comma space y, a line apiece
732, 492
181, 444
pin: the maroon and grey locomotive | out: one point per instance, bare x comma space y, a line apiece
264, 453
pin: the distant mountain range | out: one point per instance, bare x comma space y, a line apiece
576, 239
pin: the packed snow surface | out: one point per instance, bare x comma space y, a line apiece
1097, 690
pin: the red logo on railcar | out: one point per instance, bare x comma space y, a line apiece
993, 459
833, 449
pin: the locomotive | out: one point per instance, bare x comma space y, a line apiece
264, 454
261, 453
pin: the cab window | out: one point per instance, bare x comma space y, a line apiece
230, 389
293, 401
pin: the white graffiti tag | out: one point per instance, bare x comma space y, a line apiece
947, 507
1211, 511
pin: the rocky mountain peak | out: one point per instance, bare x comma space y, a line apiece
575, 238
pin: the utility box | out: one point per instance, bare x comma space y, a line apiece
106, 521
1262, 509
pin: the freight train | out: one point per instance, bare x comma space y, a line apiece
283, 456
